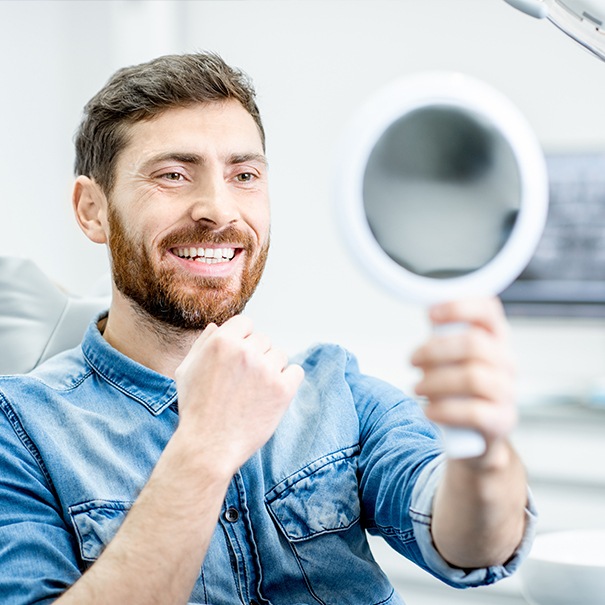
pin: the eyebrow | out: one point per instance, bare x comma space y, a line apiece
197, 160
243, 158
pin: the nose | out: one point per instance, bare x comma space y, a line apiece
214, 203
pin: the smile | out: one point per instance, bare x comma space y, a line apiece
205, 255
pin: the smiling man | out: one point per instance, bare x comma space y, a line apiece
177, 456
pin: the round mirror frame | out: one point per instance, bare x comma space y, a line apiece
368, 125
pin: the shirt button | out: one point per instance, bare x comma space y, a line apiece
231, 515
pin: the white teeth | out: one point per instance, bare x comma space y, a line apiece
207, 255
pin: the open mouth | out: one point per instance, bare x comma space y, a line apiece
209, 256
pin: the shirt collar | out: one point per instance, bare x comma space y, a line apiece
153, 390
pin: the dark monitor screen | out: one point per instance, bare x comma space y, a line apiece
566, 276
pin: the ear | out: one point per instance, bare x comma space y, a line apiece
90, 207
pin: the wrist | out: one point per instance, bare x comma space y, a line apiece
193, 456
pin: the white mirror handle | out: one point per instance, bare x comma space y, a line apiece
462, 442
459, 442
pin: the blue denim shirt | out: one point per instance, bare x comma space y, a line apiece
81, 434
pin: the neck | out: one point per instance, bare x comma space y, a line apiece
144, 339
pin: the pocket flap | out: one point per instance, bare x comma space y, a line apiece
96, 523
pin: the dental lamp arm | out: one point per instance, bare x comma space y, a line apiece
534, 8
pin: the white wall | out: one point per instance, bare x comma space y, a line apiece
313, 63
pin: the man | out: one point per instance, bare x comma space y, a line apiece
178, 456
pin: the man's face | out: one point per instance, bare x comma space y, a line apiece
188, 216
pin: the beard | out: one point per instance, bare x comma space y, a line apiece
186, 302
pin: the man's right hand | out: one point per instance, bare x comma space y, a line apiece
233, 388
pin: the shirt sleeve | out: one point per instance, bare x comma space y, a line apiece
401, 462
37, 551
420, 512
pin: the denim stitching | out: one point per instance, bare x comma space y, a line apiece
233, 560
387, 599
388, 530
133, 395
420, 517
302, 571
25, 439
202, 578
246, 583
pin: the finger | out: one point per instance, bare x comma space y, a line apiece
469, 380
238, 326
483, 416
210, 329
277, 359
235, 328
486, 313
206, 334
259, 342
472, 345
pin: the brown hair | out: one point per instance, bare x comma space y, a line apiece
143, 91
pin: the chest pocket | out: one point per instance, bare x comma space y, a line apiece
321, 498
96, 523
318, 512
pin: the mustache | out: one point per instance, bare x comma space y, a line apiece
203, 234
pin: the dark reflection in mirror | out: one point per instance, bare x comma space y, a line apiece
441, 191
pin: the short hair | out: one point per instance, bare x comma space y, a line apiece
141, 92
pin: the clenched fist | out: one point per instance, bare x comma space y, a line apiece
233, 389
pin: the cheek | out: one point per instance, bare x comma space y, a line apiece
153, 224
130, 238
260, 222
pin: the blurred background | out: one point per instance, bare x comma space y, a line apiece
314, 63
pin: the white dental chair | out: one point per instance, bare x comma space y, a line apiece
37, 318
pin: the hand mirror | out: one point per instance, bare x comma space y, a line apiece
442, 194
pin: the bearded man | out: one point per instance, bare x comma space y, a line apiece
177, 456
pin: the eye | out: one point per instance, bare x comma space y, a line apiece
245, 177
172, 176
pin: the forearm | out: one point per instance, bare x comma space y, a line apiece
157, 554
479, 509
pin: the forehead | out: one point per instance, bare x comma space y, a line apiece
215, 127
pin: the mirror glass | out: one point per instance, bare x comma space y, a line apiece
441, 191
